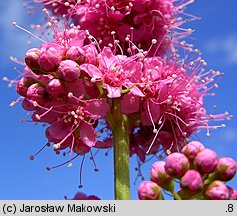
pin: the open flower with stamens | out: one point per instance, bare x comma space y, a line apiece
115, 72
172, 108
75, 128
145, 23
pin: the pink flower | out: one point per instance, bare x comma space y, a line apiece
77, 122
115, 72
134, 22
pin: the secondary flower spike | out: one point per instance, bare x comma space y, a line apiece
149, 24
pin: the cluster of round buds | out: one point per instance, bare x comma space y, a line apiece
200, 173
132, 22
56, 90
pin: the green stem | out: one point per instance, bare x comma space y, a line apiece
175, 195
119, 125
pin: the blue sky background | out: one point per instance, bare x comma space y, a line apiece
20, 178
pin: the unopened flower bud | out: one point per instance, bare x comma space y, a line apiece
23, 84
32, 60
91, 54
69, 70
226, 169
49, 59
192, 181
206, 161
149, 190
176, 164
159, 176
232, 193
36, 93
192, 149
55, 88
76, 53
217, 190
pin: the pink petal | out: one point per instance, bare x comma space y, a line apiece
97, 107
87, 134
130, 103
77, 88
91, 70
113, 92
58, 130
104, 144
135, 90
107, 58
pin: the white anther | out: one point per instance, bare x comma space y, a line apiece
56, 146
35, 104
112, 8
208, 134
5, 79
69, 165
140, 55
37, 116
70, 94
154, 41
12, 103
174, 76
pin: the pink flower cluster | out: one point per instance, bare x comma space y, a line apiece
114, 52
201, 174
71, 82
131, 22
55, 89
